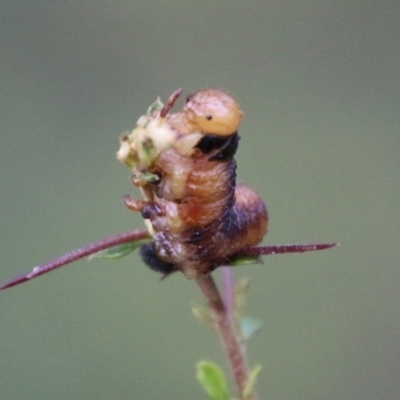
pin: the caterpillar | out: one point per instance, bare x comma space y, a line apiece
184, 165
196, 215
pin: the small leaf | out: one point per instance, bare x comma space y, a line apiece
213, 380
249, 327
155, 107
118, 251
251, 381
246, 260
204, 315
149, 150
145, 177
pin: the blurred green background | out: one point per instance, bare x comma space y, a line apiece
319, 82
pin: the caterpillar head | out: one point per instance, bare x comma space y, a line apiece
212, 111
207, 112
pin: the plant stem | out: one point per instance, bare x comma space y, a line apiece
77, 254
228, 290
229, 338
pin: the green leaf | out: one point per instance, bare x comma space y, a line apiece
213, 380
249, 327
121, 250
204, 315
251, 381
146, 176
149, 150
155, 107
246, 260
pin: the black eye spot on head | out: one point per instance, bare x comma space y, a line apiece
209, 117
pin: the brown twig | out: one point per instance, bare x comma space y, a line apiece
283, 249
77, 254
228, 336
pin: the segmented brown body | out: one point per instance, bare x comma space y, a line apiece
199, 215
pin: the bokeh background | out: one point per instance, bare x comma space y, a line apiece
319, 82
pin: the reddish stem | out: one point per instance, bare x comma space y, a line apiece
228, 289
226, 330
283, 248
78, 254
140, 234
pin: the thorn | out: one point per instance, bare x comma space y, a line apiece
77, 254
285, 248
171, 102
